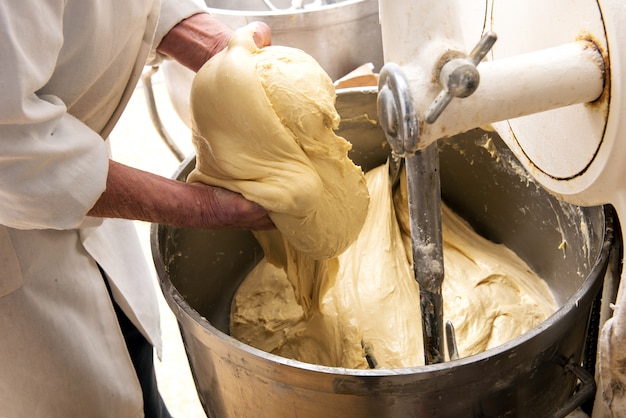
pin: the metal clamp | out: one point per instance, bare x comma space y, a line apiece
459, 77
396, 113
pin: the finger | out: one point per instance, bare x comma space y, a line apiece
225, 209
262, 34
255, 217
262, 224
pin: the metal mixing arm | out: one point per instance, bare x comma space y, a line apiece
399, 122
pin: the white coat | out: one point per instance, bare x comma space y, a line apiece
67, 69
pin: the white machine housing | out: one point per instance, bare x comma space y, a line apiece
552, 87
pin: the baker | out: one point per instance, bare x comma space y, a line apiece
78, 316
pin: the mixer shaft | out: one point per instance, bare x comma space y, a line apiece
399, 122
424, 194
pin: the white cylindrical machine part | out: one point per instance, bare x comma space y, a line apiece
577, 152
521, 85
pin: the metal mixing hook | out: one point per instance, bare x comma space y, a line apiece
398, 118
400, 123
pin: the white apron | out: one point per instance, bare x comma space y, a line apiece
67, 69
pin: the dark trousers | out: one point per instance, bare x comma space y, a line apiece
141, 354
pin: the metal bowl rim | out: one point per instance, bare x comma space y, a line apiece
179, 305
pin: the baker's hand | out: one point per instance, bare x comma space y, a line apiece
138, 195
262, 34
193, 41
223, 209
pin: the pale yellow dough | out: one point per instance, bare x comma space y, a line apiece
336, 285
490, 295
263, 125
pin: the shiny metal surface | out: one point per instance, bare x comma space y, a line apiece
341, 36
399, 122
459, 77
424, 195
199, 272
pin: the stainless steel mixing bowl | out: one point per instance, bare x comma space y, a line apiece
569, 246
341, 35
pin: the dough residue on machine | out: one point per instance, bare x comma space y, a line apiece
336, 283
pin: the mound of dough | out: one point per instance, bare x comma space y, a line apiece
371, 306
263, 126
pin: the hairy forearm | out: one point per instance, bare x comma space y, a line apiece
138, 195
134, 194
194, 40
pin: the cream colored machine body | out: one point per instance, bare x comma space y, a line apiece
552, 86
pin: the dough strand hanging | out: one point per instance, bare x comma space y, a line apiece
263, 125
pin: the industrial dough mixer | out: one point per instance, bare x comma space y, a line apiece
551, 74
551, 87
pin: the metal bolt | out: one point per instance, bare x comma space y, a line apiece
459, 77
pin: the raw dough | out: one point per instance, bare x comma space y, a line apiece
490, 295
263, 125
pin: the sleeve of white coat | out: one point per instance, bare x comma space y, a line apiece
52, 167
172, 12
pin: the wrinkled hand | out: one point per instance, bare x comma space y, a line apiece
223, 209
196, 39
139, 195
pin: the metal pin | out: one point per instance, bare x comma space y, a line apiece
369, 357
453, 351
